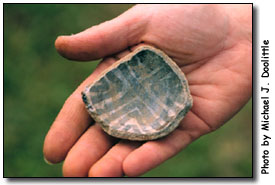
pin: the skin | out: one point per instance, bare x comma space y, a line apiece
212, 44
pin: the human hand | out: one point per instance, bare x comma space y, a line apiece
212, 46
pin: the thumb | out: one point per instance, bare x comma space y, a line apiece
106, 38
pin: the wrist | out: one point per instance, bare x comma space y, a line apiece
240, 21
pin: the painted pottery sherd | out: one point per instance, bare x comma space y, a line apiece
143, 96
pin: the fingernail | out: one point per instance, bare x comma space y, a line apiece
48, 162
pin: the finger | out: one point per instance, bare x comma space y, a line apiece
90, 147
122, 54
105, 39
71, 121
153, 153
110, 165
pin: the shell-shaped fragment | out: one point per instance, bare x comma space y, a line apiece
143, 96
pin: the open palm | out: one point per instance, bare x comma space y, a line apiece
212, 46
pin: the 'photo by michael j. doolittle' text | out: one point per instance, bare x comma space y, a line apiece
265, 137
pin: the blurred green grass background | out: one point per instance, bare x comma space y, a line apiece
37, 81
